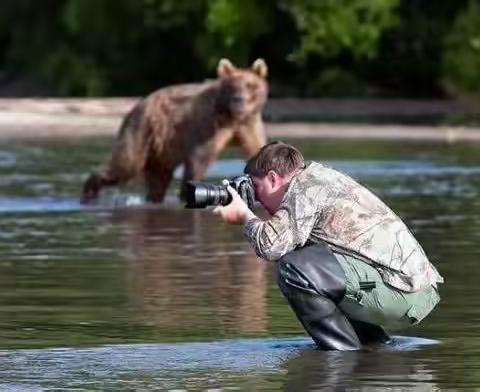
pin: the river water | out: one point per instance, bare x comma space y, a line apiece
124, 295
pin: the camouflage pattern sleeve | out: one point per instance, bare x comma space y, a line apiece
282, 233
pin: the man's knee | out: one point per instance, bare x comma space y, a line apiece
314, 269
291, 279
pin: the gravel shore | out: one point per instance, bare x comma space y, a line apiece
71, 117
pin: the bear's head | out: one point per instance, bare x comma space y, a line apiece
243, 91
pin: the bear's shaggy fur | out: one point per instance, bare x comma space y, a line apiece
189, 124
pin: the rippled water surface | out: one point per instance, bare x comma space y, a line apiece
124, 295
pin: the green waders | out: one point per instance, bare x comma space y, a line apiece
369, 299
342, 302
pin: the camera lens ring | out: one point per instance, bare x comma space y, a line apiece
201, 195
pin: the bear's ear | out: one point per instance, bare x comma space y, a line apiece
260, 68
225, 68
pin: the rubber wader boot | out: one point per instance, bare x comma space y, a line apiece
313, 282
369, 333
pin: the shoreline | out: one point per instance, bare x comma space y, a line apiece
29, 118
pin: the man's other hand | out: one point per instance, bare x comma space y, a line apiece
237, 212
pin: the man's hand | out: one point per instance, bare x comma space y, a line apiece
237, 212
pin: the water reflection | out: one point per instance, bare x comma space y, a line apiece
184, 268
313, 370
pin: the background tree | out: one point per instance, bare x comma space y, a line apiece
313, 47
461, 57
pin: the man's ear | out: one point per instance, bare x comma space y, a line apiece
273, 178
225, 68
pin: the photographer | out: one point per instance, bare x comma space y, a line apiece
346, 263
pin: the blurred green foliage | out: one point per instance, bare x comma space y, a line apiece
462, 52
329, 27
336, 82
312, 47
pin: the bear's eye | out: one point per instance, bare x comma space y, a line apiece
251, 86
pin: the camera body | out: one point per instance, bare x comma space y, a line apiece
201, 194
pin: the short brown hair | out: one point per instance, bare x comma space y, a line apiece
280, 157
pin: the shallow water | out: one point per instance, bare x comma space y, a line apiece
128, 296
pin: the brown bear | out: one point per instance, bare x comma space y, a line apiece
189, 124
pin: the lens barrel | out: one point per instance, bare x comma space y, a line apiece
201, 195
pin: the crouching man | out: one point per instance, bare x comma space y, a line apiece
346, 263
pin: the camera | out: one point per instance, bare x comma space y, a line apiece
201, 194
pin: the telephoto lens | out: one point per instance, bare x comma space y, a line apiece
200, 195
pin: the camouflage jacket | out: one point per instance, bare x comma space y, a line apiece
322, 204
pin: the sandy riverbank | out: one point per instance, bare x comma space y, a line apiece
33, 118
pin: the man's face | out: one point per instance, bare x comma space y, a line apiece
269, 190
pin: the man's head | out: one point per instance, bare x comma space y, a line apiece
271, 170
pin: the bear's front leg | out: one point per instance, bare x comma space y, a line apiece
196, 166
157, 181
251, 137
